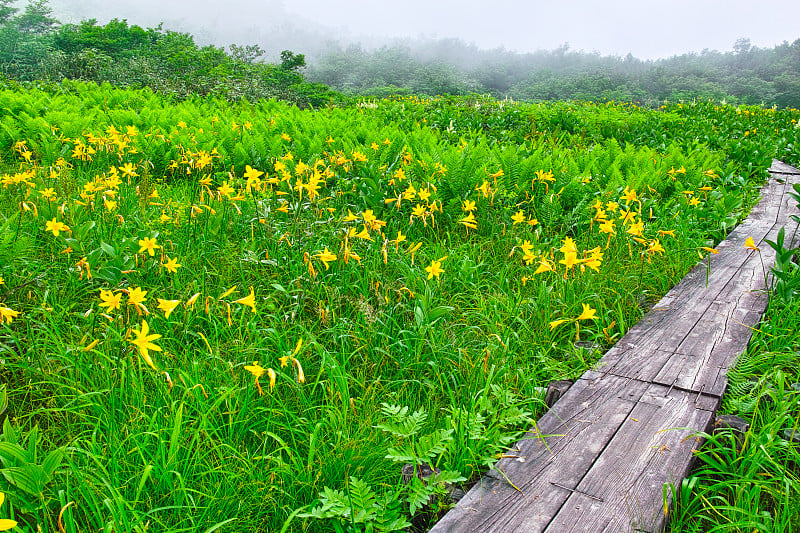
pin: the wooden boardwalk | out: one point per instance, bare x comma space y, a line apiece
601, 456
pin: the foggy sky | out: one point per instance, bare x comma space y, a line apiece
648, 30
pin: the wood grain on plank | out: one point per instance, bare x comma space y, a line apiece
565, 444
653, 447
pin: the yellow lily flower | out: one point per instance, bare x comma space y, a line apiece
249, 300
435, 269
168, 306
326, 256
144, 343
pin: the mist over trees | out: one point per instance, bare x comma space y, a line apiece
34, 45
747, 74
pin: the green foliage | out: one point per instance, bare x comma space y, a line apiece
27, 469
358, 504
36, 18
785, 271
400, 423
358, 509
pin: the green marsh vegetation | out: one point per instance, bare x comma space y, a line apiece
220, 312
234, 313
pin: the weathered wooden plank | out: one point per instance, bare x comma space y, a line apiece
701, 360
782, 168
690, 344
647, 346
773, 201
579, 427
624, 488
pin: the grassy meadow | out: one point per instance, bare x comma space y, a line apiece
248, 317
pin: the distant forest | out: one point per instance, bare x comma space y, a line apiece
748, 74
36, 46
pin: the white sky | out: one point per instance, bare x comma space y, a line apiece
647, 29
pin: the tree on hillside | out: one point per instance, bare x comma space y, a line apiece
116, 38
36, 19
292, 62
6, 11
246, 54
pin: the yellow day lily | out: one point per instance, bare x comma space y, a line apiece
518, 218
250, 172
301, 377
144, 342
168, 306
258, 371
469, 221
363, 234
636, 228
588, 313
56, 227
629, 195
435, 269
528, 257
249, 300
228, 292
137, 297
172, 265
594, 261
570, 252
484, 187
110, 300
88, 348
326, 256
190, 302
654, 247
544, 266
543, 175
497, 174
7, 314
750, 244
608, 227
400, 238
48, 194
148, 245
